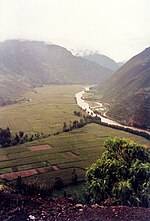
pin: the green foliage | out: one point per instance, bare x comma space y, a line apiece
121, 173
83, 121
7, 139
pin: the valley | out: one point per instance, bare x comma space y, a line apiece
26, 64
44, 97
74, 110
95, 108
46, 112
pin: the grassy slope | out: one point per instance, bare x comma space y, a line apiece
86, 143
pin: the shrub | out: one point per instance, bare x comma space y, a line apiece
121, 173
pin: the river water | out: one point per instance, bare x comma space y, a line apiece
85, 106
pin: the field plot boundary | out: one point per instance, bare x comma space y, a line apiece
26, 173
15, 175
69, 151
69, 154
40, 147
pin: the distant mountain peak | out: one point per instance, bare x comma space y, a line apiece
102, 60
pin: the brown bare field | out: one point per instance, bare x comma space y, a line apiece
44, 169
55, 167
14, 175
26, 173
69, 154
40, 147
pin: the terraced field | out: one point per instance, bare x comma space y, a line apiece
58, 155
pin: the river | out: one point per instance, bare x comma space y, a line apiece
85, 106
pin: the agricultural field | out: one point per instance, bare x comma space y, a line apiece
44, 111
56, 155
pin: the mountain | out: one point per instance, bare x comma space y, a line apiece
27, 64
11, 86
128, 92
102, 60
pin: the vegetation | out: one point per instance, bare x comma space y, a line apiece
132, 131
128, 92
46, 111
81, 123
34, 187
121, 174
76, 149
7, 139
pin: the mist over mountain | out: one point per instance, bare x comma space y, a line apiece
128, 91
28, 64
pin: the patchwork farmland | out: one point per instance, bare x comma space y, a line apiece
56, 155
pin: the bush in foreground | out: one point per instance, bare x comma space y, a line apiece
122, 174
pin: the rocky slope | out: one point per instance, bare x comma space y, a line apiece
17, 207
128, 92
34, 63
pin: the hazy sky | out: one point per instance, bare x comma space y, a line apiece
117, 28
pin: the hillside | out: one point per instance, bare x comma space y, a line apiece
11, 86
128, 91
103, 60
34, 63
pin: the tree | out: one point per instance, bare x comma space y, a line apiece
74, 124
65, 127
21, 134
17, 139
74, 176
5, 137
122, 173
26, 138
19, 183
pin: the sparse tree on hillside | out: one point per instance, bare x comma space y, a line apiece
64, 127
17, 139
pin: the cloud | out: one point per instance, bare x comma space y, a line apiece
118, 28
